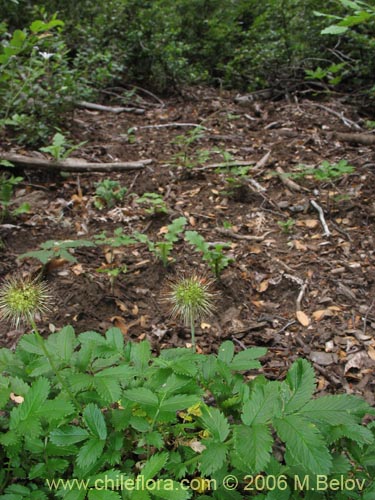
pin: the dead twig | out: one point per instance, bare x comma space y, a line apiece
366, 139
300, 295
72, 164
247, 237
317, 207
366, 317
346, 121
170, 125
111, 109
287, 181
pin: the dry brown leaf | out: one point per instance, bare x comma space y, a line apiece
55, 264
119, 322
121, 305
197, 446
16, 399
300, 246
321, 313
258, 303
135, 310
310, 223
255, 249
163, 230
371, 352
262, 287
192, 221
205, 326
78, 269
303, 318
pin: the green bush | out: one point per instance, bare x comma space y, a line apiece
37, 86
115, 411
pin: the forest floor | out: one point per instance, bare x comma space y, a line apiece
290, 287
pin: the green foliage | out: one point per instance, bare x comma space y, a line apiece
139, 415
108, 194
7, 185
213, 254
163, 249
56, 250
325, 172
36, 84
188, 156
286, 226
60, 149
153, 203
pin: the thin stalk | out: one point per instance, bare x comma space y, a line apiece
53, 366
192, 329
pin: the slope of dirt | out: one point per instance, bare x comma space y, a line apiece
291, 287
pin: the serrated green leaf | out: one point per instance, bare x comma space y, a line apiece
301, 381
226, 352
122, 373
62, 343
244, 360
155, 439
38, 367
170, 490
260, 407
90, 452
304, 444
174, 229
108, 389
30, 343
184, 367
335, 410
97, 494
56, 409
212, 458
197, 240
179, 402
94, 420
253, 445
215, 422
34, 398
154, 465
68, 435
142, 396
75, 494
361, 435
141, 354
80, 382
115, 338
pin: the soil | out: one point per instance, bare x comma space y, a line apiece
295, 290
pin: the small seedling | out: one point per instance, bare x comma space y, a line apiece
190, 299
60, 148
56, 250
7, 185
212, 254
326, 172
286, 226
153, 203
163, 249
112, 273
119, 239
108, 194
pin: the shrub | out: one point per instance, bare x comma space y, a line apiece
157, 421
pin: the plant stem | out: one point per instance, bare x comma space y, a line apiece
192, 329
53, 366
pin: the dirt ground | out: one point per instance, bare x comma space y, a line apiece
291, 287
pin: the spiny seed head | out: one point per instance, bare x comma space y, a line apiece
191, 298
21, 299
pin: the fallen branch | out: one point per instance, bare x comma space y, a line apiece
227, 164
72, 164
247, 237
327, 232
346, 121
111, 109
287, 181
171, 125
366, 139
